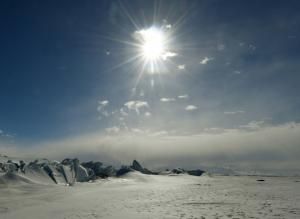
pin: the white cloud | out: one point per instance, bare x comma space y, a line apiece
140, 104
191, 108
136, 105
102, 104
206, 60
168, 54
184, 96
1, 132
164, 99
101, 109
181, 67
234, 112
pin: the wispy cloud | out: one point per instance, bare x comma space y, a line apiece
112, 130
123, 112
214, 130
102, 104
105, 113
206, 60
137, 131
252, 47
253, 125
234, 112
101, 108
159, 133
184, 96
6, 135
221, 47
190, 108
164, 99
136, 105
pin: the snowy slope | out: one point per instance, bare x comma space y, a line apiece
152, 196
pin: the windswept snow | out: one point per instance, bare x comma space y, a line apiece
40, 190
153, 196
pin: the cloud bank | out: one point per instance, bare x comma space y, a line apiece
238, 148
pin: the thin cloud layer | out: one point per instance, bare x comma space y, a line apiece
234, 112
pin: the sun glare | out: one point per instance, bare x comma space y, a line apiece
152, 44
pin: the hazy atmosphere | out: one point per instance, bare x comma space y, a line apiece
171, 83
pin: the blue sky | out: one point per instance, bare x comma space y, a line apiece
67, 72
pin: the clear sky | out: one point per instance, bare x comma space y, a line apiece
223, 82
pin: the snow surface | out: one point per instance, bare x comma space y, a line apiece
152, 196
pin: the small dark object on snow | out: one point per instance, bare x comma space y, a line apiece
260, 180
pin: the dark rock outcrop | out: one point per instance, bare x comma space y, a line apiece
138, 167
100, 170
69, 171
178, 171
123, 170
197, 172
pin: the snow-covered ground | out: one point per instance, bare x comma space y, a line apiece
150, 196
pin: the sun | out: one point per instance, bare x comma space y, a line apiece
153, 44
153, 49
